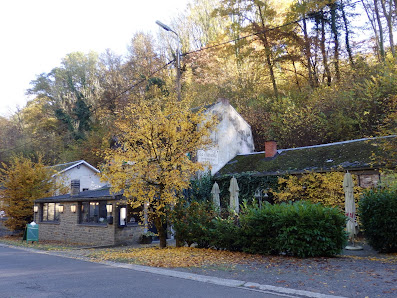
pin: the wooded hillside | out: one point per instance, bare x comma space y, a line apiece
300, 72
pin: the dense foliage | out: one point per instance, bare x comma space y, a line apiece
378, 213
324, 188
248, 185
300, 72
192, 221
23, 182
300, 229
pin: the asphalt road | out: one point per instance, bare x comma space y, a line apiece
27, 274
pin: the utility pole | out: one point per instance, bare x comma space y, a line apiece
178, 58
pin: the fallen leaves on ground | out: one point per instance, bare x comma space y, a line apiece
390, 259
177, 257
42, 244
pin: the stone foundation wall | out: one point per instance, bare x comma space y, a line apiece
128, 234
70, 231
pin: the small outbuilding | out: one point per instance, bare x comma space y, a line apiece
93, 217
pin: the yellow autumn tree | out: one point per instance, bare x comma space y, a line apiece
324, 188
151, 163
23, 182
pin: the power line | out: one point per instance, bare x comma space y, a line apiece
196, 51
265, 30
136, 84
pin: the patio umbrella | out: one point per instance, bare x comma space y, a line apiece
215, 196
350, 209
234, 189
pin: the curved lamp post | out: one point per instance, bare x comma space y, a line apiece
178, 61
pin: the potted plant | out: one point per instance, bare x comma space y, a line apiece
146, 238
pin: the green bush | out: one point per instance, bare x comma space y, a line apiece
226, 234
378, 214
260, 228
310, 230
300, 229
192, 222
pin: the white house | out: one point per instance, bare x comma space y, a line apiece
232, 136
79, 170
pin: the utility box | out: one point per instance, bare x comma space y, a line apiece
31, 232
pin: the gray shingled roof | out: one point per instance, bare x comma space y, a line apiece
97, 194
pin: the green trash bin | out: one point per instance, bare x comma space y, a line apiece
31, 232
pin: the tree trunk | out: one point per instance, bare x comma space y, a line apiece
347, 33
389, 18
335, 34
265, 41
161, 231
178, 241
307, 53
373, 25
323, 51
381, 43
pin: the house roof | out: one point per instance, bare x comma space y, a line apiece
60, 168
347, 155
99, 194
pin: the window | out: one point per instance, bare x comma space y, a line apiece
93, 212
50, 212
133, 215
129, 216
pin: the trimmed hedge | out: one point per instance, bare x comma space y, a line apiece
378, 215
299, 229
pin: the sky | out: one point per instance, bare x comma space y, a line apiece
36, 34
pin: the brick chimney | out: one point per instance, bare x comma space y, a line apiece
270, 148
74, 187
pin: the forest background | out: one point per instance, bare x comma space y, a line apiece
298, 71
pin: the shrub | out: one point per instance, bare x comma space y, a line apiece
200, 189
226, 234
260, 228
301, 229
192, 222
378, 213
310, 230
324, 188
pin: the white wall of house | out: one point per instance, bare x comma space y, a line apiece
233, 136
89, 179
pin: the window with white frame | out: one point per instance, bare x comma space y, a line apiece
50, 212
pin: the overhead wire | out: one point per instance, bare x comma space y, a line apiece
192, 52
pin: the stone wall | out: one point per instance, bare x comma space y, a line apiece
128, 234
70, 231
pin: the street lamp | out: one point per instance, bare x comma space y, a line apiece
178, 61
